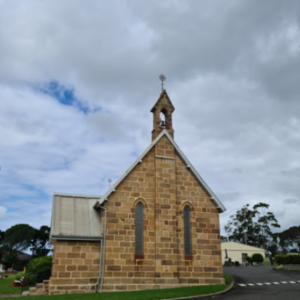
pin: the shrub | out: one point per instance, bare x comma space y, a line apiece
249, 259
18, 277
294, 259
287, 259
38, 269
257, 257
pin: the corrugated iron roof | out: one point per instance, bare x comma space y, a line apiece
73, 217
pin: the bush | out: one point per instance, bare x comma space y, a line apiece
294, 259
287, 259
10, 260
18, 277
38, 270
257, 257
249, 259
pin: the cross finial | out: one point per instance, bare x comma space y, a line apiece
162, 78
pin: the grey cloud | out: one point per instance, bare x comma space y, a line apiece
232, 74
291, 201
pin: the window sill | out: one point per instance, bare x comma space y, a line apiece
139, 256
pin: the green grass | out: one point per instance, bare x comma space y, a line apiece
138, 295
287, 269
227, 279
7, 285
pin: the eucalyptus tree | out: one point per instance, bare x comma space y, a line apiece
252, 226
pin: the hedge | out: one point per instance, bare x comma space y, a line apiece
38, 269
287, 259
257, 257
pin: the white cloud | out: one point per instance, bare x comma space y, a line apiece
232, 73
3, 211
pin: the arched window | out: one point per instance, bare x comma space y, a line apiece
187, 230
162, 117
139, 227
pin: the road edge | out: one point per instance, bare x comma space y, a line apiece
207, 295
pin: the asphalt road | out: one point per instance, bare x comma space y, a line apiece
267, 284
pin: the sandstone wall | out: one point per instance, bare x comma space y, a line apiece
75, 267
164, 184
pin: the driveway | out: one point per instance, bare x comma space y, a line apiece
262, 283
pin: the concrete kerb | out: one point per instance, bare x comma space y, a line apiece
207, 295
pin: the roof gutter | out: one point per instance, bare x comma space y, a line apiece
77, 238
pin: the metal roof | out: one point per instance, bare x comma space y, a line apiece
213, 197
246, 245
74, 218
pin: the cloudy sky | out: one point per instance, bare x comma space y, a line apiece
78, 80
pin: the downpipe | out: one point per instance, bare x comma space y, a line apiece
102, 252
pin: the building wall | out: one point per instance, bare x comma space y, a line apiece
206, 265
235, 250
122, 270
75, 267
164, 185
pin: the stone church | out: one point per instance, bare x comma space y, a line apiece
156, 227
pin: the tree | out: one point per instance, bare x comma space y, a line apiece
224, 238
252, 226
40, 242
18, 237
1, 246
11, 259
264, 221
240, 227
290, 239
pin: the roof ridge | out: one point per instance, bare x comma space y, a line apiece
181, 154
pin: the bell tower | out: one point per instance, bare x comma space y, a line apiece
162, 115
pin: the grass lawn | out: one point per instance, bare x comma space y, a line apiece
7, 285
286, 269
144, 295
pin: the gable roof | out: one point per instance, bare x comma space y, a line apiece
161, 96
112, 189
241, 244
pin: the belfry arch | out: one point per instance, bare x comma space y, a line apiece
162, 115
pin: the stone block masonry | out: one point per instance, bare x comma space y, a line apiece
164, 185
75, 267
175, 209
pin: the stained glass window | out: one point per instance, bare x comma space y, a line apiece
187, 231
139, 226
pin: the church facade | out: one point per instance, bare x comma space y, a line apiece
156, 227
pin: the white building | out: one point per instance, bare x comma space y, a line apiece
238, 251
